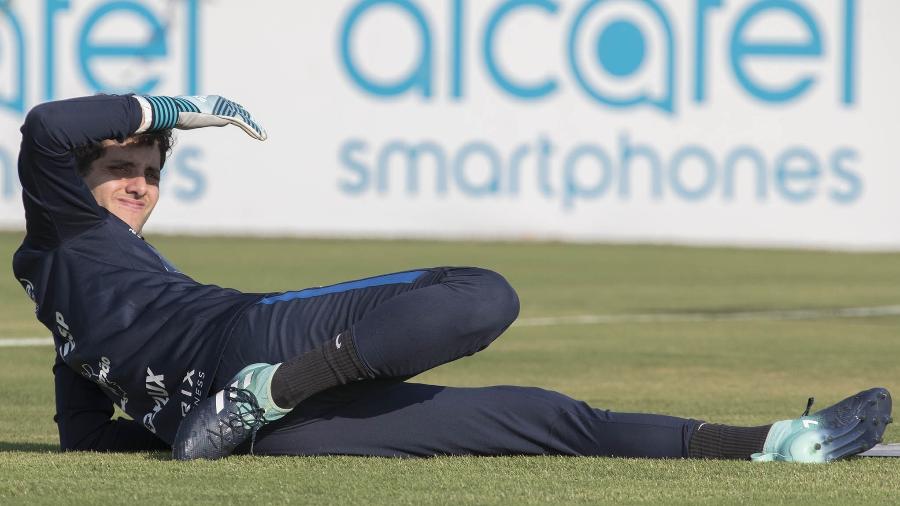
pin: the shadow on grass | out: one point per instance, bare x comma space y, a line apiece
19, 447
7, 446
157, 456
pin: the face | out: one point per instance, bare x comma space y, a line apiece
125, 181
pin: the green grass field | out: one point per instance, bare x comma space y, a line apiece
740, 372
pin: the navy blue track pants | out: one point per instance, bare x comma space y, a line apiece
406, 323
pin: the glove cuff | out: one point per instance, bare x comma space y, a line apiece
146, 114
164, 111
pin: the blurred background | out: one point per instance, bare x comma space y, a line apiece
762, 123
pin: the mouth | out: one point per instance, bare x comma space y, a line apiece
132, 204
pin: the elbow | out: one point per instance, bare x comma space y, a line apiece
42, 128
36, 126
37, 117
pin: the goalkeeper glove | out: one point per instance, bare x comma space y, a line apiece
186, 113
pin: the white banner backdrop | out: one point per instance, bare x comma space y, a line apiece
691, 121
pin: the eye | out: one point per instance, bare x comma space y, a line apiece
152, 175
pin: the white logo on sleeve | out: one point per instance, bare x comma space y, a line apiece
101, 377
62, 328
156, 390
29, 289
192, 390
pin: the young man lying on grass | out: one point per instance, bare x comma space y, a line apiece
208, 371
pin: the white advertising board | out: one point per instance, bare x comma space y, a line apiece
734, 122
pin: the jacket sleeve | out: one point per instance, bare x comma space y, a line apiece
83, 416
58, 204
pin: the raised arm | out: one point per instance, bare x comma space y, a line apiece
58, 204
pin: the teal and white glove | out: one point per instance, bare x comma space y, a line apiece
186, 113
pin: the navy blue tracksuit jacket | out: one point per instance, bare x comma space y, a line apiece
107, 295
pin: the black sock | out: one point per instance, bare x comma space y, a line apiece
331, 364
714, 441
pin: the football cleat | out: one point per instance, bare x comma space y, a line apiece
852, 426
218, 425
257, 378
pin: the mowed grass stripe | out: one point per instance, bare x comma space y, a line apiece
550, 321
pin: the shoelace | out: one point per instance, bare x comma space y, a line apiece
809, 403
251, 414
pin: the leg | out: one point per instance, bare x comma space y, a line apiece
421, 329
385, 327
399, 329
394, 419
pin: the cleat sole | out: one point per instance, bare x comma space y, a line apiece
847, 434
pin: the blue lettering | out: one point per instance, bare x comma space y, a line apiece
691, 173
797, 174
666, 101
458, 50
411, 153
700, 47
50, 8
492, 184
629, 153
15, 101
709, 166
851, 178
355, 166
515, 161
545, 151
573, 188
731, 163
193, 51
508, 85
741, 50
419, 77
849, 51
153, 49
194, 175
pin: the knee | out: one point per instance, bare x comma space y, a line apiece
494, 302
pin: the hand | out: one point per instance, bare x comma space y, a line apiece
187, 113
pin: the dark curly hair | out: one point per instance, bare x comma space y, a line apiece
164, 139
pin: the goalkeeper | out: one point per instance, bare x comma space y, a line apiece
208, 371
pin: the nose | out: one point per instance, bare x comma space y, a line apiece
136, 186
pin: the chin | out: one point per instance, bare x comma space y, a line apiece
131, 222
